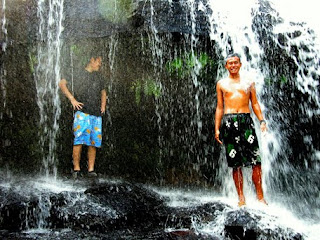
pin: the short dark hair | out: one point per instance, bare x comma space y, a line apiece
232, 55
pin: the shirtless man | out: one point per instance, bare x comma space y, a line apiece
237, 130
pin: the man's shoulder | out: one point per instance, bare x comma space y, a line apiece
247, 78
222, 80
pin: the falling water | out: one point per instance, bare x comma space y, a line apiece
113, 47
178, 108
307, 58
3, 35
304, 49
3, 42
232, 29
47, 76
157, 48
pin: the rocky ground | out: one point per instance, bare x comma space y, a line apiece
117, 210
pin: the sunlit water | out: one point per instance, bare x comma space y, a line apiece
231, 27
233, 20
271, 217
298, 11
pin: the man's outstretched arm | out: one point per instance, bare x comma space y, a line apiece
63, 86
219, 113
256, 107
103, 101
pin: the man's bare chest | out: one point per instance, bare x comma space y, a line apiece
235, 89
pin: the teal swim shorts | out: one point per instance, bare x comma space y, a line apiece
87, 129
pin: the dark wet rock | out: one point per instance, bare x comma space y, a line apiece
122, 211
238, 224
241, 224
85, 19
137, 204
171, 17
108, 206
16, 210
181, 218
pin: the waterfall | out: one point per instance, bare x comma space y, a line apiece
47, 76
113, 48
3, 35
301, 43
243, 27
175, 49
3, 42
177, 68
233, 29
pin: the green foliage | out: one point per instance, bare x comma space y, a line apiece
116, 11
176, 67
80, 53
268, 81
147, 87
183, 66
75, 49
33, 61
136, 88
281, 80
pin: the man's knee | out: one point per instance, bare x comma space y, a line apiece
236, 169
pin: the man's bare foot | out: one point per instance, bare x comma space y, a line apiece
241, 203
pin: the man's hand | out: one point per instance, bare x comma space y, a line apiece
76, 105
263, 127
103, 109
216, 136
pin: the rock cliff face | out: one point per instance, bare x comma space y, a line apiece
88, 19
109, 210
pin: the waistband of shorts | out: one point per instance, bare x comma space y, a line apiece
86, 114
232, 115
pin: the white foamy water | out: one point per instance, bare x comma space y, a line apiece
47, 77
272, 217
299, 11
55, 186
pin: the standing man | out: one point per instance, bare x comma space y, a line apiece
89, 100
237, 129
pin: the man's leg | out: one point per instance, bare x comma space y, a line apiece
257, 180
91, 158
76, 157
238, 181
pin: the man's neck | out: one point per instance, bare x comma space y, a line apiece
234, 77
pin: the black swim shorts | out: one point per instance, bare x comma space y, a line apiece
240, 140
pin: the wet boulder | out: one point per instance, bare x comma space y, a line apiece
108, 206
110, 210
17, 211
242, 224
136, 204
